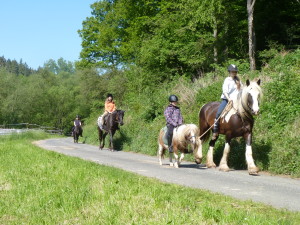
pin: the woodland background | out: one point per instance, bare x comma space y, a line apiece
143, 51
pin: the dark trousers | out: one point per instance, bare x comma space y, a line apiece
170, 134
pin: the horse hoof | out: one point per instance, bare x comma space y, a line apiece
253, 171
171, 164
211, 165
224, 169
198, 161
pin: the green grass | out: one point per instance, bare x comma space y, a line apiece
43, 187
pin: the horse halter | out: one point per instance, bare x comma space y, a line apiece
190, 138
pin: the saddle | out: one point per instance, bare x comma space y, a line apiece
229, 110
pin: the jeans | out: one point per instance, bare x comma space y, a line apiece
221, 107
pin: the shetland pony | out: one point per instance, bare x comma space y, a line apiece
239, 124
184, 135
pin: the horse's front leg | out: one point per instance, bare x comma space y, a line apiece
111, 144
198, 151
181, 158
223, 164
103, 140
252, 168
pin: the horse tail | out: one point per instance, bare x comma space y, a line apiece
161, 142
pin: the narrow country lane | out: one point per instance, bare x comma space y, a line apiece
272, 190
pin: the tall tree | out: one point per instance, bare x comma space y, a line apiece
251, 34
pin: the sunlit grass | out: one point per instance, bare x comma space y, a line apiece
43, 187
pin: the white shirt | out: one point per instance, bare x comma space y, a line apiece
229, 87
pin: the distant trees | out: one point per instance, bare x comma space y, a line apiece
55, 93
18, 68
59, 66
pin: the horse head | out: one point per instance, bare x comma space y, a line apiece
192, 136
120, 116
251, 97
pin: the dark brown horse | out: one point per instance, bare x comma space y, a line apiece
76, 133
239, 124
113, 121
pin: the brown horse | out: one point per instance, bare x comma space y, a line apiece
184, 135
113, 121
239, 124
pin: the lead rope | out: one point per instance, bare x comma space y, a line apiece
225, 110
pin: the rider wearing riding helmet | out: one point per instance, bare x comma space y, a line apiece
173, 117
230, 88
77, 123
110, 107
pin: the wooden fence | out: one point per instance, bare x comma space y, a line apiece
51, 130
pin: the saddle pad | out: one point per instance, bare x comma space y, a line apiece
99, 121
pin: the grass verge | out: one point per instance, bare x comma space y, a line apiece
43, 187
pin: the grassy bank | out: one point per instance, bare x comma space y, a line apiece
275, 141
42, 187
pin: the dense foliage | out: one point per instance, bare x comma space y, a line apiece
18, 68
184, 37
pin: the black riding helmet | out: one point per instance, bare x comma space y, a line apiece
173, 98
109, 95
232, 68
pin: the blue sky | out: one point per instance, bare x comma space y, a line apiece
38, 30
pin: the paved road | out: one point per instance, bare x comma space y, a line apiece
276, 191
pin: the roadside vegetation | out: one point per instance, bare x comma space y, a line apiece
44, 187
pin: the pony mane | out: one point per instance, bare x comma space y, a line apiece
189, 128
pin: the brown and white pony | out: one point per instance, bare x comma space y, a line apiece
184, 135
239, 124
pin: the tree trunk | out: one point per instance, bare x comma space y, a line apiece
251, 34
215, 45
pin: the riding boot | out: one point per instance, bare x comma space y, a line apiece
171, 149
216, 129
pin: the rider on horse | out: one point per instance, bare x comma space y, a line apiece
231, 86
173, 117
77, 123
110, 107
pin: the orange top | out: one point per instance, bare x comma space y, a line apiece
110, 106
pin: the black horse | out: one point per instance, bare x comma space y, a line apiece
76, 133
113, 120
